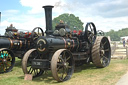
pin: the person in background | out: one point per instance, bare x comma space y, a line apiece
123, 42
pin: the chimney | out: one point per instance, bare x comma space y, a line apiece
0, 19
48, 16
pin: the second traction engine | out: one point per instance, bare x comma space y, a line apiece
63, 49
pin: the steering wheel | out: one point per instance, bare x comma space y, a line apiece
90, 32
100, 33
36, 33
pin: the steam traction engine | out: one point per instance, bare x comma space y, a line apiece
60, 51
17, 42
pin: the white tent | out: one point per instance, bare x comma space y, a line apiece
125, 37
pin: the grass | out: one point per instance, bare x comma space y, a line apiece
84, 75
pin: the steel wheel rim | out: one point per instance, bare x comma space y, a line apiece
62, 67
105, 52
26, 64
7, 60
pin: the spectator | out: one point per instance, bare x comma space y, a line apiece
123, 42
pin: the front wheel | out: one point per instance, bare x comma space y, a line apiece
62, 65
27, 62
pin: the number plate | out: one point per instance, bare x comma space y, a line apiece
36, 63
40, 63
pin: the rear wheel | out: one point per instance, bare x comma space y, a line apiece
101, 52
7, 60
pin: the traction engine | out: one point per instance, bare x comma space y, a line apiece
62, 49
14, 44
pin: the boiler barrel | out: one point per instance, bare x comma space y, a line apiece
61, 43
13, 44
55, 43
5, 43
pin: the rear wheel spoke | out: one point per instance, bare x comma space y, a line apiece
106, 49
103, 62
105, 43
105, 58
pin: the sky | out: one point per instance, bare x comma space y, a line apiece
28, 14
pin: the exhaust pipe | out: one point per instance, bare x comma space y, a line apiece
48, 16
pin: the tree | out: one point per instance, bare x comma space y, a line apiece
70, 19
115, 35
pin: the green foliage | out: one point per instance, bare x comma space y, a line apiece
69, 19
115, 35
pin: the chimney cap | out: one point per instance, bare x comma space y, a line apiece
48, 6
